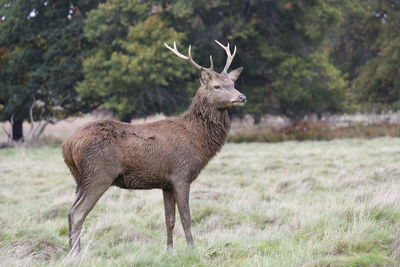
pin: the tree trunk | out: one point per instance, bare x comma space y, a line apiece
126, 118
17, 131
257, 118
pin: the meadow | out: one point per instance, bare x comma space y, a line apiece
325, 203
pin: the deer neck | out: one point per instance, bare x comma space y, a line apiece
210, 124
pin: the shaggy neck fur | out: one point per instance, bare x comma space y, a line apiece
212, 123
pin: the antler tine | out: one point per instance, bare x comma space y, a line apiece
189, 57
229, 55
175, 51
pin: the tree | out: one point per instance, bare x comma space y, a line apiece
130, 71
377, 85
40, 50
284, 46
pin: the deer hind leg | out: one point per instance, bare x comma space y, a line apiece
78, 196
169, 207
86, 198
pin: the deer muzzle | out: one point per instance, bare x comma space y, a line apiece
239, 100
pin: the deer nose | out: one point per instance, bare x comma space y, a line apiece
242, 98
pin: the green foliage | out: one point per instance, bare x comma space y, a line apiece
130, 70
309, 84
367, 50
281, 45
40, 46
354, 39
377, 85
299, 57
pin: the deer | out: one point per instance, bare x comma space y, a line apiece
168, 154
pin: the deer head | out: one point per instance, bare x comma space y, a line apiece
218, 88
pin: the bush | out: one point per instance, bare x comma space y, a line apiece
303, 130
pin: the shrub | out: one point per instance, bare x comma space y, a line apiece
303, 130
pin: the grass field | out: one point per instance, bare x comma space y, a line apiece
333, 203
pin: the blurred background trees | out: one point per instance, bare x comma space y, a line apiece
41, 46
129, 69
300, 57
377, 85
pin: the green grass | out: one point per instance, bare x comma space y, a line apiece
333, 203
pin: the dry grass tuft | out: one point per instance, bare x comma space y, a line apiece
36, 249
396, 247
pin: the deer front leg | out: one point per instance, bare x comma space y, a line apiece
169, 207
181, 192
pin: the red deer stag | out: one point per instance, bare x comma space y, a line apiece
167, 154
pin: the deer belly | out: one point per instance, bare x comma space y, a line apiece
142, 182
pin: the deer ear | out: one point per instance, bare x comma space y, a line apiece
233, 75
205, 76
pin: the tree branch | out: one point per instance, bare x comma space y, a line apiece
31, 131
6, 132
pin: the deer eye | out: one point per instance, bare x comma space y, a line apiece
217, 87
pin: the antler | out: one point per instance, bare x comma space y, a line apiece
189, 57
230, 56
